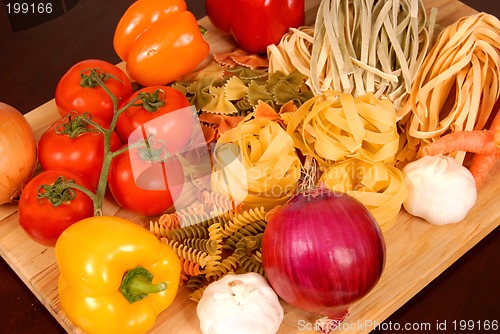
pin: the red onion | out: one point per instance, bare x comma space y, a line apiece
322, 251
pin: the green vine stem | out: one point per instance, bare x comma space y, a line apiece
75, 126
63, 191
108, 155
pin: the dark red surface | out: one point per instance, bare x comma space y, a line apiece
31, 62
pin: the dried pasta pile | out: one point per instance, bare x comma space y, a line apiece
333, 126
263, 167
355, 141
358, 47
226, 91
457, 85
223, 241
229, 88
378, 186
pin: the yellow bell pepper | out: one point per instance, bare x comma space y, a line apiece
115, 276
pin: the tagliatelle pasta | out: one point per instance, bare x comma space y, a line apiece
256, 164
359, 47
378, 186
456, 87
334, 126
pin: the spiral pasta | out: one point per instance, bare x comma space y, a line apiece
188, 253
204, 245
196, 282
226, 266
167, 222
243, 219
199, 231
208, 249
190, 268
250, 229
249, 254
158, 230
220, 201
196, 295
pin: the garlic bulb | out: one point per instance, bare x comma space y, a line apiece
240, 304
440, 190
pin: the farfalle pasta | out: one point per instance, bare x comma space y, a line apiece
219, 103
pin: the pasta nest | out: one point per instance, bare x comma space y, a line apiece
256, 164
334, 126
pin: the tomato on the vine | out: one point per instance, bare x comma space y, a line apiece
73, 144
161, 111
78, 89
45, 213
145, 187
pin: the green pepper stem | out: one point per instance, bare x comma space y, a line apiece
137, 284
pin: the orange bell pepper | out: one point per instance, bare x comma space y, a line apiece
139, 17
168, 43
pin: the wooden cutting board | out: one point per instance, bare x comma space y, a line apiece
417, 252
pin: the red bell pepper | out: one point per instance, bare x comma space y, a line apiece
255, 24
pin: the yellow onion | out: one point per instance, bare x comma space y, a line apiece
17, 153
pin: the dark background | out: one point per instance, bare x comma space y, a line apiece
36, 50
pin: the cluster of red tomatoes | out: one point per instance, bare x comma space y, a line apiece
111, 137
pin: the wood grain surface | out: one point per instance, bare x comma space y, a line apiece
417, 252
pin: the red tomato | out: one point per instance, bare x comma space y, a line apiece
73, 94
143, 187
83, 153
171, 122
43, 222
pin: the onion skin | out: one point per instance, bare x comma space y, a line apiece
17, 153
321, 264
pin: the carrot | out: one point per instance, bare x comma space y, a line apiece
479, 141
482, 164
495, 126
